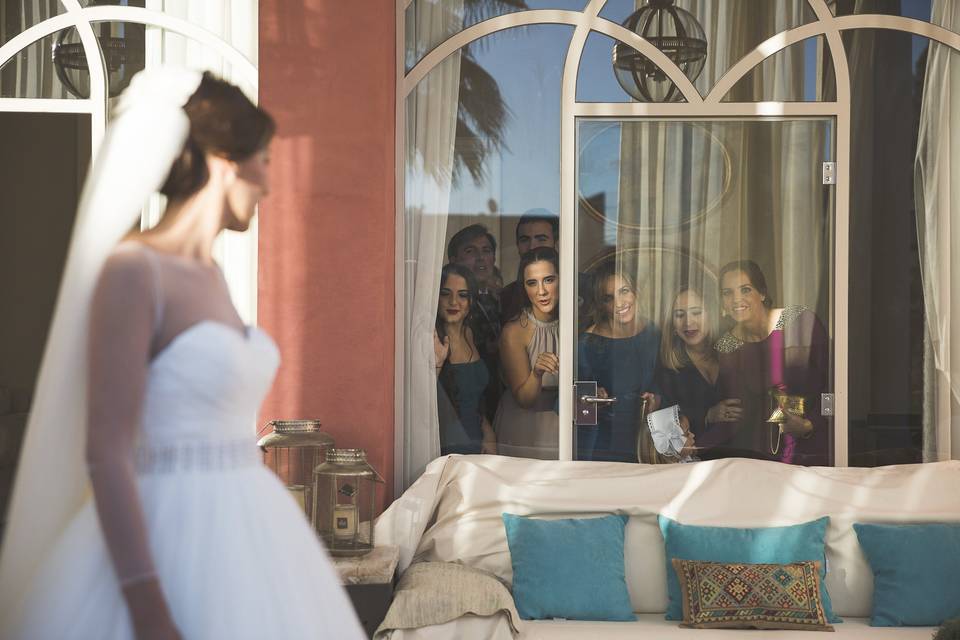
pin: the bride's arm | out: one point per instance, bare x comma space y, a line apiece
121, 331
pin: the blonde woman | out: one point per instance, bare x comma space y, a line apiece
689, 367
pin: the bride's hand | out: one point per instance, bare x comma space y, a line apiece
148, 611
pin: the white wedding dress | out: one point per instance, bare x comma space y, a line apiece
234, 554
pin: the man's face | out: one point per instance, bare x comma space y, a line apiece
477, 255
535, 234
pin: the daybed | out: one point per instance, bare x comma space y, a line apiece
453, 514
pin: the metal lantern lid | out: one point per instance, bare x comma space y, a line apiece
347, 462
295, 433
673, 31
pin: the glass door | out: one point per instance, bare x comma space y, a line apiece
705, 261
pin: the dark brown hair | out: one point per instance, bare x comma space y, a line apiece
540, 254
468, 234
447, 378
755, 275
223, 122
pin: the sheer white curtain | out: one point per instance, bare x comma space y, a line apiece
431, 112
748, 191
236, 22
33, 75
937, 192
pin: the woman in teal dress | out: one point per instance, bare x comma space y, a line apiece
619, 352
463, 380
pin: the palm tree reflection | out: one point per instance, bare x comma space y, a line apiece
482, 113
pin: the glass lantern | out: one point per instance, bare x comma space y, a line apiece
293, 451
345, 497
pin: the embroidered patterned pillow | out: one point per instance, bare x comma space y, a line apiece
731, 595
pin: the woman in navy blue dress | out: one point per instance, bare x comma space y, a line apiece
619, 352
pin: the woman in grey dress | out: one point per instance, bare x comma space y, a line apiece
527, 422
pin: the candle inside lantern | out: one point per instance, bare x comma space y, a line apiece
345, 521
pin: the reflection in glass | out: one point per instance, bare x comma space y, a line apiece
802, 72
597, 81
916, 9
17, 17
429, 22
732, 28
676, 33
123, 45
892, 398
664, 206
482, 149
31, 73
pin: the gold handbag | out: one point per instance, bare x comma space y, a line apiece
782, 404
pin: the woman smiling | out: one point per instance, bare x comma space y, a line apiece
619, 352
776, 362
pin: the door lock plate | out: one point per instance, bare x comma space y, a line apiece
584, 413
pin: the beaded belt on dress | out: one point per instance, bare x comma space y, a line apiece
219, 455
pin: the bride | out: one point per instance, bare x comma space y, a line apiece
141, 508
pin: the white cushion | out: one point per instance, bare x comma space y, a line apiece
647, 626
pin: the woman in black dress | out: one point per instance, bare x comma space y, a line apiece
689, 368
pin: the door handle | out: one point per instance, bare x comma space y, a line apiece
596, 400
586, 402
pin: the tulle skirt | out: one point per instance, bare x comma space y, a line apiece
235, 557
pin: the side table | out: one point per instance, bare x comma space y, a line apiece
369, 581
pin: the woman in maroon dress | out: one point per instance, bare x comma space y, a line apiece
776, 362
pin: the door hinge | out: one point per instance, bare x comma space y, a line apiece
826, 404
829, 173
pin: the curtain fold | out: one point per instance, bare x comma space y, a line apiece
937, 193
431, 113
32, 76
696, 189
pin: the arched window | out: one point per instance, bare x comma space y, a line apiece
810, 140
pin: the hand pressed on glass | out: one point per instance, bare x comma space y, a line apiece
441, 349
728, 410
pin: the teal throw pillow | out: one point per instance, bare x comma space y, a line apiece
916, 572
766, 545
571, 568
